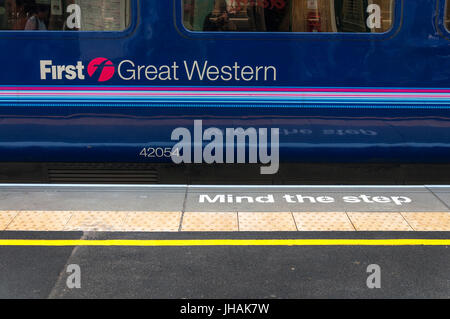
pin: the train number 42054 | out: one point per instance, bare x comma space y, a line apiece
159, 152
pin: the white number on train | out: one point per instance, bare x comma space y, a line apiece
159, 152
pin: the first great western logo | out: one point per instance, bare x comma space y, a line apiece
99, 69
102, 69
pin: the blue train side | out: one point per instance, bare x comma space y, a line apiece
334, 97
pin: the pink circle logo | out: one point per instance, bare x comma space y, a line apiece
101, 69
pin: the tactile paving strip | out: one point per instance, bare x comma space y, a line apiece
428, 221
323, 222
6, 218
379, 222
96, 221
266, 222
40, 221
152, 221
210, 222
232, 221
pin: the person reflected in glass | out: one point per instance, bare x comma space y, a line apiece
219, 18
20, 15
38, 18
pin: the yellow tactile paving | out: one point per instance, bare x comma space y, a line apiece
266, 222
39, 221
430, 221
6, 217
152, 221
379, 221
323, 222
96, 221
193, 221
243, 221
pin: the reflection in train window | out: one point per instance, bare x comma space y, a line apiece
65, 15
367, 16
447, 15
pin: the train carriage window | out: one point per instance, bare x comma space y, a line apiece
357, 16
65, 15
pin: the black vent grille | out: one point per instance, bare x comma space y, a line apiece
102, 173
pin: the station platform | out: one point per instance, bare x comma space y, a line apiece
224, 242
184, 208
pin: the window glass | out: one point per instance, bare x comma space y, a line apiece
288, 15
64, 15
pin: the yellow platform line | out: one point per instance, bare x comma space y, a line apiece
230, 242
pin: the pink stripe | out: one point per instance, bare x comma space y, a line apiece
223, 95
220, 89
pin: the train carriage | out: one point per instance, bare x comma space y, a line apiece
93, 90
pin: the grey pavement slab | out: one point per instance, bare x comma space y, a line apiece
100, 198
313, 199
443, 193
225, 199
